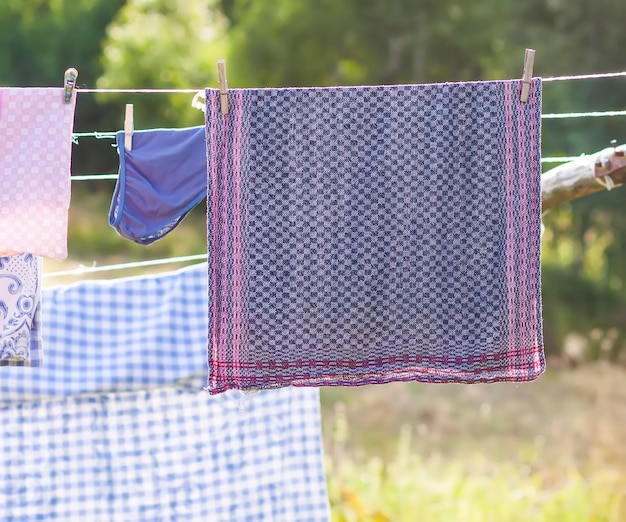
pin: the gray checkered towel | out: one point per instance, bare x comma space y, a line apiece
363, 235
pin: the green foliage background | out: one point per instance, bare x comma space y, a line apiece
175, 44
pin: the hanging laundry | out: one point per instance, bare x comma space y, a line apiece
361, 235
118, 427
20, 311
122, 334
160, 180
35, 153
166, 454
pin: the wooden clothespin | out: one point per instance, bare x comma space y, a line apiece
129, 127
527, 76
69, 83
223, 85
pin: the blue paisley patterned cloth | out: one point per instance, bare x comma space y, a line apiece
20, 311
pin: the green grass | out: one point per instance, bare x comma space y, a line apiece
410, 488
551, 450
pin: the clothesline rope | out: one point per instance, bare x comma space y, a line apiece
94, 177
175, 91
584, 76
559, 159
138, 91
100, 135
99, 177
121, 266
592, 114
111, 135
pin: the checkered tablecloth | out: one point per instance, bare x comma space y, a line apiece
117, 426
121, 334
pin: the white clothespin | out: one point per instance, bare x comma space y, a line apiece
223, 85
69, 83
527, 76
129, 127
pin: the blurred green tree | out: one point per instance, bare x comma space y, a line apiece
163, 44
296, 43
40, 39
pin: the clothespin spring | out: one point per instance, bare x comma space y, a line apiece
69, 83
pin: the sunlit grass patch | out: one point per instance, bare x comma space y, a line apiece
548, 451
411, 488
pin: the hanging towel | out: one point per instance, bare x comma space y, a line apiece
20, 311
164, 455
123, 334
160, 180
117, 426
361, 235
35, 153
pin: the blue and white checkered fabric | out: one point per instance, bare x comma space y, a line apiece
168, 454
121, 334
116, 426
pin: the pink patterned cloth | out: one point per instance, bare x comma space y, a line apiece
35, 154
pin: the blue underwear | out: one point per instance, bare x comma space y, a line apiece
160, 180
